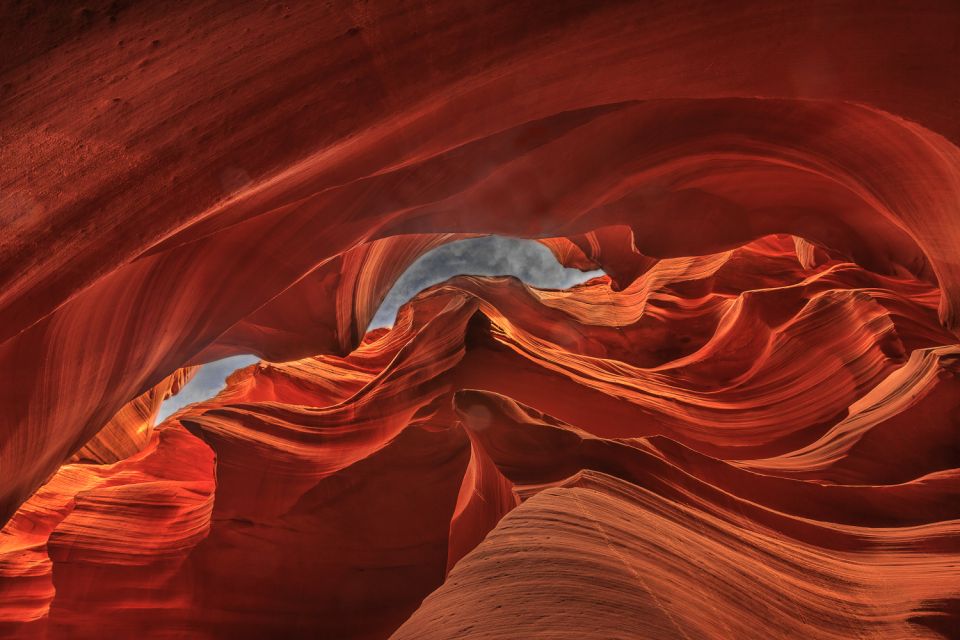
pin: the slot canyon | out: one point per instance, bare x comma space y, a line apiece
732, 412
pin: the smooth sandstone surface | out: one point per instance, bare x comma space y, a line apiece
748, 428
511, 461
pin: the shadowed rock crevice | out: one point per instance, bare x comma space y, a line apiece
753, 405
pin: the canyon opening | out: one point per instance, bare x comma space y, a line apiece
441, 320
527, 260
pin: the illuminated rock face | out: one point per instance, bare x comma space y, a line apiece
750, 424
729, 441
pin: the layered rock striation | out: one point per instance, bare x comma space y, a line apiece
750, 423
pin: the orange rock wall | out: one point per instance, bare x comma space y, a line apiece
751, 423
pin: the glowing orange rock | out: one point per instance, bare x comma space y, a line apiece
348, 487
99, 544
749, 424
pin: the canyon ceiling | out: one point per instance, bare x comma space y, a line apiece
749, 426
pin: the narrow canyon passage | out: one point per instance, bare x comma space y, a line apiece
527, 260
479, 320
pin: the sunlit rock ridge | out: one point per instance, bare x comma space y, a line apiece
748, 428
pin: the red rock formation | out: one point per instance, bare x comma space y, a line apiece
751, 423
347, 487
100, 547
130, 430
